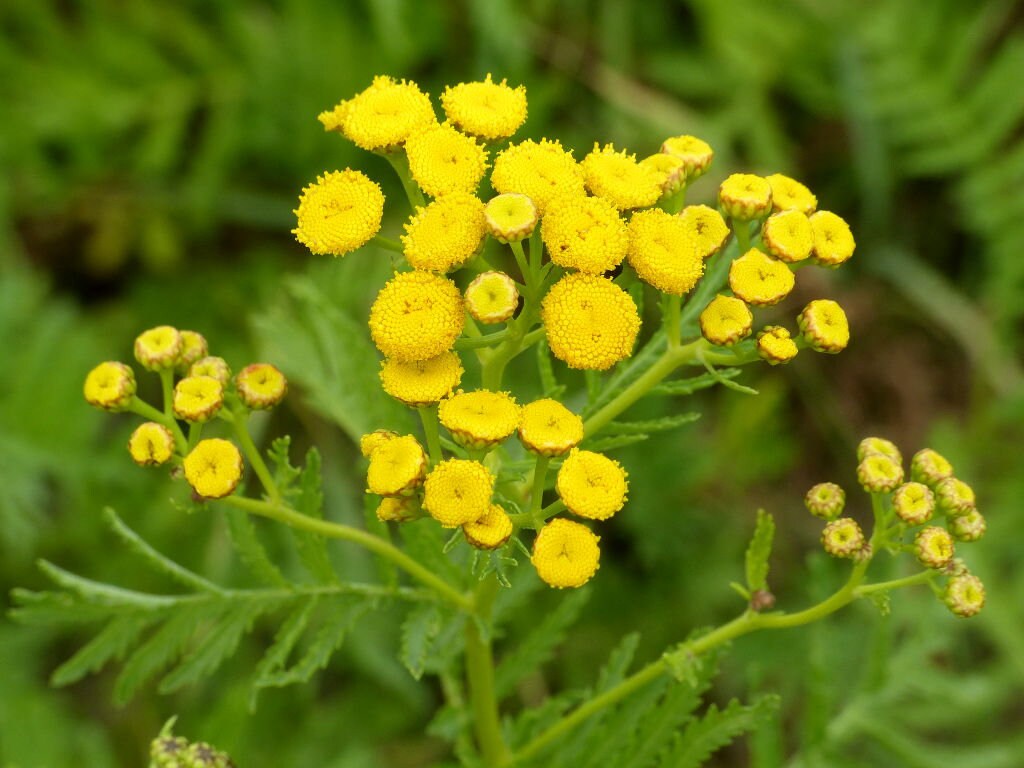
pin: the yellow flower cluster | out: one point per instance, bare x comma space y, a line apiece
566, 554
620, 179
541, 170
492, 297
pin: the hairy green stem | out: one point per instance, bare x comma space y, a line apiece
480, 677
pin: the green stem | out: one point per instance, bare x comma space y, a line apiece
741, 229
428, 415
238, 421
480, 677
907, 581
540, 476
288, 516
488, 340
195, 431
167, 387
147, 411
400, 163
673, 320
529, 275
388, 244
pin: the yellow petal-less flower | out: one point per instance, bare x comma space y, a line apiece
214, 468
744, 196
423, 382
591, 485
158, 348
445, 234
584, 233
844, 538
443, 161
198, 398
930, 467
371, 441
964, 595
663, 253
759, 279
775, 345
151, 444
620, 179
695, 153
261, 386
870, 445
540, 170
510, 217
914, 503
670, 169
397, 466
726, 320
706, 228
486, 109
790, 195
216, 367
339, 213
788, 236
566, 554
833, 240
492, 297
458, 491
110, 386
548, 428
193, 348
479, 419
934, 547
416, 316
824, 326
397, 509
383, 116
590, 322
492, 530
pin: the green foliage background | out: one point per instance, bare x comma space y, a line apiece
151, 156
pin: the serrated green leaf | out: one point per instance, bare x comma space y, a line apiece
715, 729
276, 657
250, 550
694, 383
617, 733
112, 643
103, 594
651, 425
545, 366
759, 550
419, 631
656, 732
611, 443
425, 542
54, 608
311, 547
285, 474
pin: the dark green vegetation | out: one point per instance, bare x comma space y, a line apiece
151, 155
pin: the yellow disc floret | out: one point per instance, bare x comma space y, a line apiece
214, 468
458, 491
383, 116
620, 179
151, 444
824, 326
790, 195
488, 110
833, 240
479, 419
566, 554
110, 386
198, 398
397, 466
339, 213
706, 228
445, 234
726, 320
584, 233
775, 345
492, 297
510, 217
417, 316
423, 382
261, 386
158, 348
492, 530
541, 171
663, 253
548, 428
695, 153
591, 485
759, 279
443, 161
788, 236
590, 322
744, 196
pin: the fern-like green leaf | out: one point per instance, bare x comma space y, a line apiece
250, 551
759, 550
419, 630
718, 727
311, 547
602, 444
694, 383
652, 425
111, 644
276, 656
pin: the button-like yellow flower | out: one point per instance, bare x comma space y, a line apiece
591, 485
790, 195
492, 297
744, 196
844, 538
590, 322
541, 171
670, 169
110, 386
492, 530
870, 445
788, 236
964, 595
371, 441
878, 473
969, 527
825, 500
417, 316
663, 253
261, 386
726, 320
198, 398
930, 467
193, 348
934, 547
914, 503
398, 509
339, 213
566, 554
158, 348
548, 428
151, 444
775, 345
954, 497
397, 466
383, 116
824, 326
620, 179
423, 382
445, 234
214, 468
458, 491
488, 110
443, 161
833, 240
510, 217
479, 419
759, 279
695, 153
706, 228
213, 366
584, 233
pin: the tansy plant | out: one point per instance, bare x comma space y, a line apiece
510, 247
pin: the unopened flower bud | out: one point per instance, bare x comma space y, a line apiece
490, 531
198, 398
870, 445
214, 367
397, 466
914, 503
548, 428
202, 755
787, 236
744, 196
479, 419
964, 595
168, 751
879, 473
930, 467
151, 444
954, 496
158, 348
695, 154
934, 547
398, 509
726, 320
261, 386
492, 297
510, 217
110, 386
968, 527
824, 326
214, 468
775, 345
670, 169
843, 538
825, 500
368, 443
193, 348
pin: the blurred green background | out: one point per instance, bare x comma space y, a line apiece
151, 154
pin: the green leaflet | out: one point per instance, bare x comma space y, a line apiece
112, 643
250, 550
419, 630
652, 425
715, 729
276, 657
759, 551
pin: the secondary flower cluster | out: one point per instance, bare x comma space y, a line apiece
197, 387
906, 507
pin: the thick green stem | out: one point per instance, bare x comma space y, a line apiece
741, 229
529, 275
480, 677
481, 341
238, 421
540, 476
388, 243
147, 411
400, 163
428, 415
673, 320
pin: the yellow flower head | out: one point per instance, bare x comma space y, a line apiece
878, 473
423, 382
479, 419
548, 428
151, 444
492, 297
744, 196
110, 386
398, 509
695, 154
590, 322
825, 500
788, 236
620, 179
824, 326
954, 497
914, 503
443, 161
492, 530
930, 467
339, 213
510, 217
844, 538
591, 484
790, 195
566, 554
775, 345
371, 441
670, 169
964, 595
663, 253
969, 527
445, 234
193, 348
383, 116
214, 468
584, 233
759, 279
261, 386
487, 110
158, 348
397, 466
706, 229
934, 547
833, 240
458, 491
726, 320
215, 367
198, 398
417, 316
870, 445
541, 171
